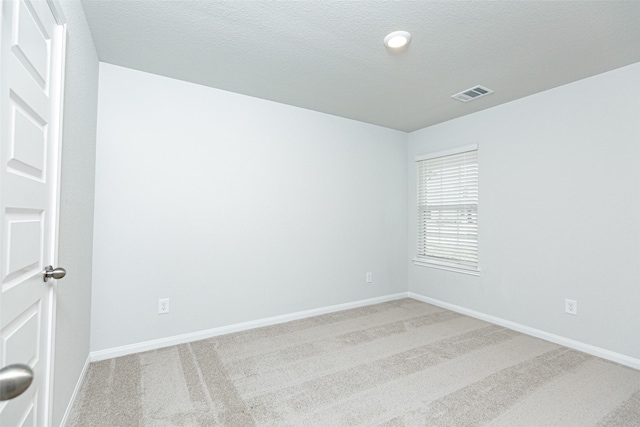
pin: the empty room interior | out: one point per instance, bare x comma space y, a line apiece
320, 213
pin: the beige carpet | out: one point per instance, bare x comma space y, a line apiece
401, 363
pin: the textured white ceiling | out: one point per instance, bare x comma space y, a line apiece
328, 56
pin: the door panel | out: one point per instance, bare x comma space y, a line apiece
23, 252
28, 141
18, 337
31, 42
31, 59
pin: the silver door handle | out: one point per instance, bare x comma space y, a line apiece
14, 380
55, 273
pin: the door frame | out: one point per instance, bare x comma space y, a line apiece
56, 153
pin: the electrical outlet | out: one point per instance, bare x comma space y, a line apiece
163, 306
571, 306
369, 278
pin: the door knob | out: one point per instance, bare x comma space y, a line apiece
14, 380
56, 273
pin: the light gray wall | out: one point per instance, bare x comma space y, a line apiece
236, 209
558, 213
76, 208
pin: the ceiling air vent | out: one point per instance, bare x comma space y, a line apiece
471, 94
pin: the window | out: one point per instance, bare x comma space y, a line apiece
448, 209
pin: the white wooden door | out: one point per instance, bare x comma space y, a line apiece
32, 53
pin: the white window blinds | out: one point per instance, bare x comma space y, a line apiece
448, 208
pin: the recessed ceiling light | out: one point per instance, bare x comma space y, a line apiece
397, 39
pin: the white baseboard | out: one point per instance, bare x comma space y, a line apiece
83, 374
208, 333
567, 342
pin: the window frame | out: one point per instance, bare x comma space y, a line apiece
445, 264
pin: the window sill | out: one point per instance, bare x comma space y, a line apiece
425, 263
